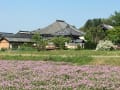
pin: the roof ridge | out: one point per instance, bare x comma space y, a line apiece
76, 29
60, 24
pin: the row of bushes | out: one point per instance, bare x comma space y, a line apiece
28, 48
102, 45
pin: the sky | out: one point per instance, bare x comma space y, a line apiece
30, 15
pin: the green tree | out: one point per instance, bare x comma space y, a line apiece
26, 47
93, 31
94, 34
115, 18
60, 41
39, 41
88, 24
114, 35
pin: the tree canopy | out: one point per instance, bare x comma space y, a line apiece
114, 35
39, 41
115, 19
60, 41
94, 31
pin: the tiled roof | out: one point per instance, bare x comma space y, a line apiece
4, 34
106, 27
19, 39
60, 28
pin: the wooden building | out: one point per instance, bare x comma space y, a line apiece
4, 44
58, 28
10, 40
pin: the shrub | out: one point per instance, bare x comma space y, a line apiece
90, 45
3, 49
39, 41
60, 41
26, 47
105, 45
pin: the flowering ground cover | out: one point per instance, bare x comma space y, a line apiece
44, 75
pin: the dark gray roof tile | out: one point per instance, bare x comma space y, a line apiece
19, 39
60, 28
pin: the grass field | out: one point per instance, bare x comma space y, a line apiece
64, 52
81, 57
60, 70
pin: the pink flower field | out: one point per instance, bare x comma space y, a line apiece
41, 75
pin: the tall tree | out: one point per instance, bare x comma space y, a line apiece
93, 30
60, 41
39, 41
114, 35
115, 18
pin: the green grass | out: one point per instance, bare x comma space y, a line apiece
81, 60
64, 52
115, 61
81, 57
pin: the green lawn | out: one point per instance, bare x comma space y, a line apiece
82, 57
65, 52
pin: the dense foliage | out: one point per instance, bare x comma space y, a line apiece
94, 31
115, 19
114, 35
26, 47
95, 34
60, 41
40, 43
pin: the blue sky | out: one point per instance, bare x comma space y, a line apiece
29, 15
